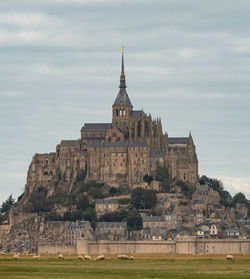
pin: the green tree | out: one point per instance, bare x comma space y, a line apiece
137, 197
89, 214
112, 191
96, 193
116, 216
53, 216
239, 198
6, 205
134, 221
147, 178
149, 198
161, 173
83, 203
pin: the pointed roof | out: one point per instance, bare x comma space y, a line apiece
122, 98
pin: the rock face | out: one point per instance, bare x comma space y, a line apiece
27, 230
119, 153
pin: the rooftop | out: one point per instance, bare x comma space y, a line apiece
96, 126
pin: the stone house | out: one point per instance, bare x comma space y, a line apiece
111, 230
160, 233
78, 230
105, 206
213, 231
153, 222
233, 233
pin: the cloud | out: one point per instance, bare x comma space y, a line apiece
237, 184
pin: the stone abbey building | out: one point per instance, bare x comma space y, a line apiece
119, 153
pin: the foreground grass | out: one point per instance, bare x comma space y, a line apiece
142, 267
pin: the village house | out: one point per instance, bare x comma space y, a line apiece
78, 230
105, 206
233, 233
111, 230
153, 222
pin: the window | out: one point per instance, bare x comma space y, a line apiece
116, 112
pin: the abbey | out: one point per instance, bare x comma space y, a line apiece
118, 153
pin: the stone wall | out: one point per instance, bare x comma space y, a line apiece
180, 246
56, 248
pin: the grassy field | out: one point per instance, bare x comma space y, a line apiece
146, 266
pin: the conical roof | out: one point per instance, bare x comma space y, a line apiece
122, 99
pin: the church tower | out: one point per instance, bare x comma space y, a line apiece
122, 106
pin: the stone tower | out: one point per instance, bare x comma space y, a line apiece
122, 106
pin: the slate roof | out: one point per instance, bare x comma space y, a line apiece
96, 126
153, 219
198, 202
69, 142
122, 99
112, 224
178, 140
118, 144
106, 201
77, 226
136, 112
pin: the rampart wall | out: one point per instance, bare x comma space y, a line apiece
182, 246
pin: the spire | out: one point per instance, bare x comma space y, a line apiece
122, 76
122, 98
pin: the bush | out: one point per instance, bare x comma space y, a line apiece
53, 216
82, 203
161, 173
124, 201
183, 203
112, 191
116, 216
96, 193
187, 189
147, 178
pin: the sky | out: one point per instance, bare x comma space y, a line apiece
187, 61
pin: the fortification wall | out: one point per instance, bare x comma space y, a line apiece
56, 248
184, 246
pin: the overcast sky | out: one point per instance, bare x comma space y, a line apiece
187, 61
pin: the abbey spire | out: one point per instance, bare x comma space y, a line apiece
122, 76
122, 98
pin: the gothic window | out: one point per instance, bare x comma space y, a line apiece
116, 111
124, 112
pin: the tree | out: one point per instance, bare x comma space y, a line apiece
53, 216
116, 216
239, 198
134, 221
137, 197
89, 215
96, 193
6, 205
162, 173
147, 178
149, 198
112, 191
83, 203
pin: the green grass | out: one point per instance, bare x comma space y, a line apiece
142, 268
